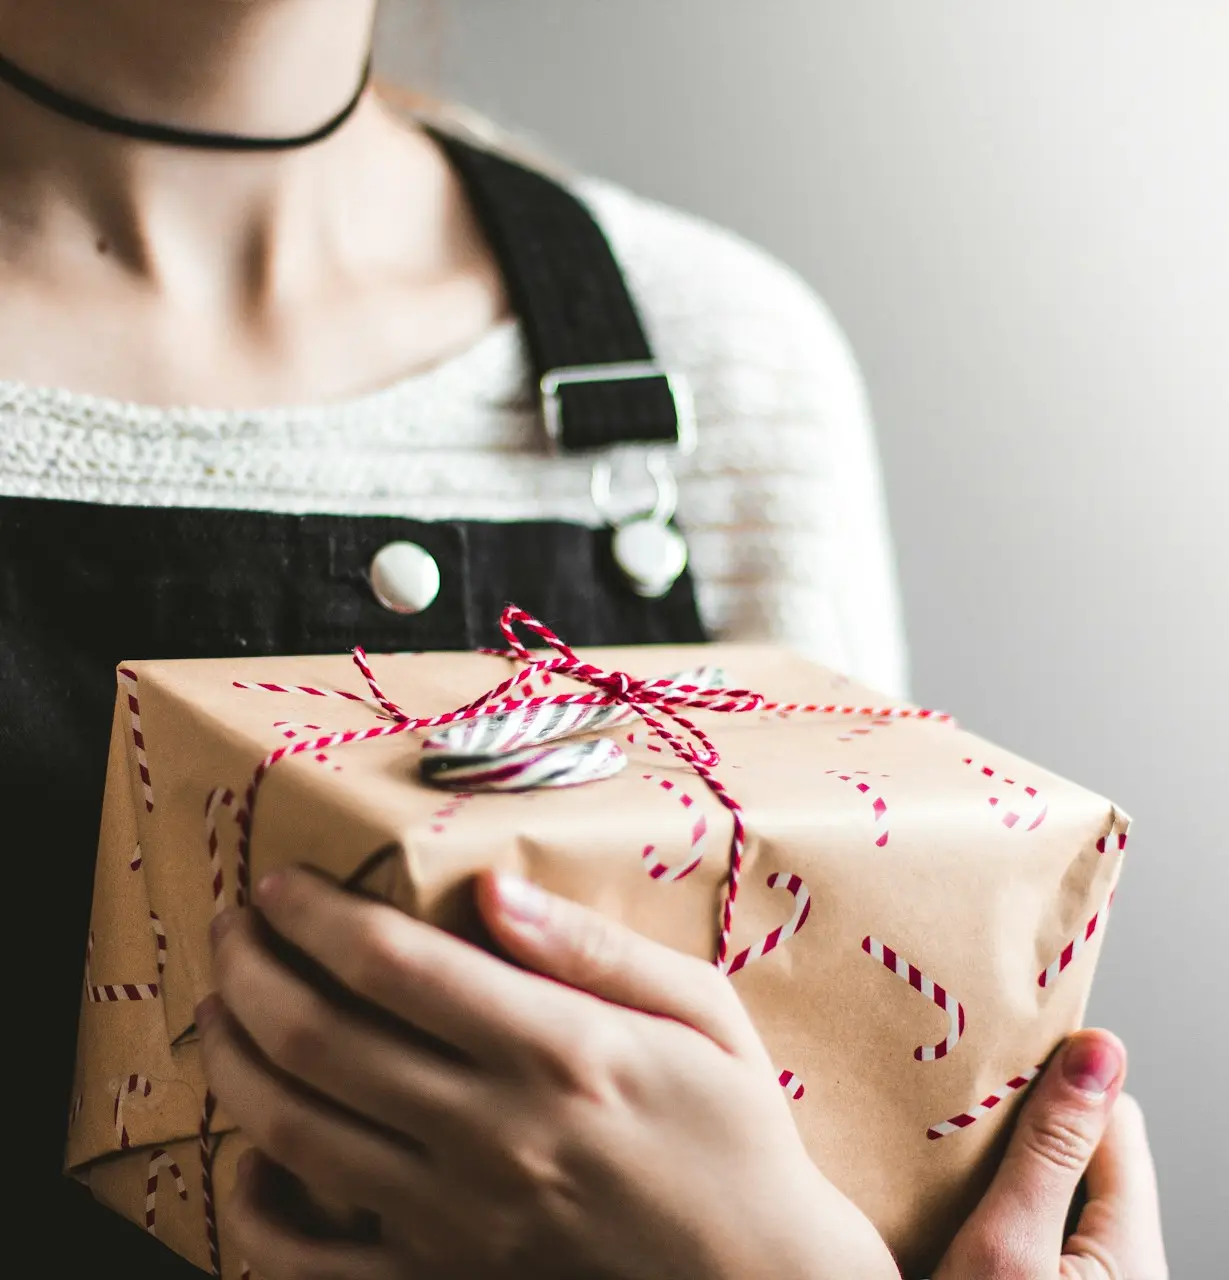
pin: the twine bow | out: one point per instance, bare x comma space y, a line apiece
659, 703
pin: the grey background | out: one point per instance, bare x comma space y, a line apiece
1018, 211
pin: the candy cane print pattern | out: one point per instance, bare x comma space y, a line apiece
158, 1161
291, 730
133, 1084
115, 993
1018, 806
983, 1108
931, 990
442, 816
699, 829
864, 730
782, 933
159, 942
857, 779
218, 799
791, 1084
128, 681
1116, 840
1071, 951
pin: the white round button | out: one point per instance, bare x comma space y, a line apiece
405, 578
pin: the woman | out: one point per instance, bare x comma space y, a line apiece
179, 229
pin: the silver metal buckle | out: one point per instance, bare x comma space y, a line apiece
658, 467
680, 390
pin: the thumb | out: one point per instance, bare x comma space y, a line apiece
585, 950
1017, 1231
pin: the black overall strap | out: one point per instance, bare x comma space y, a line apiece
600, 381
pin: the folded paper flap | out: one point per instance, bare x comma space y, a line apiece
137, 1091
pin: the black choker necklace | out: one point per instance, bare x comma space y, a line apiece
167, 135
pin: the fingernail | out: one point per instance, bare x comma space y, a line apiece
206, 1011
246, 1165
270, 887
524, 902
1092, 1064
221, 925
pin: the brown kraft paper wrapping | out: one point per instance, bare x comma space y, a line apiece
916, 931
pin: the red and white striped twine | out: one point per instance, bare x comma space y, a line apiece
685, 739
135, 863
699, 829
983, 1108
137, 1084
309, 690
655, 701
128, 681
911, 974
1019, 807
159, 1160
882, 714
207, 1149
857, 780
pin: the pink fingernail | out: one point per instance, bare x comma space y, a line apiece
1092, 1064
270, 887
524, 902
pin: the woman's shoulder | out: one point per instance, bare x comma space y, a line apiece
783, 499
714, 300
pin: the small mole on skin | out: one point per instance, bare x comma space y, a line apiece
102, 246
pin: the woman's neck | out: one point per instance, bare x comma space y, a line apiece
264, 67
267, 68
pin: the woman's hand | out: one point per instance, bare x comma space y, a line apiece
617, 1117
1076, 1125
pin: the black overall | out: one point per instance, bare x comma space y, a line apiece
83, 587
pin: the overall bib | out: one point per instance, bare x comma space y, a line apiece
84, 587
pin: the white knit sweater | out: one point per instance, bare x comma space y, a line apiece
781, 502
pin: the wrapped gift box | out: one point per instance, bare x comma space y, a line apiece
916, 928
